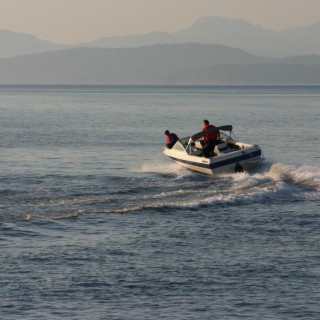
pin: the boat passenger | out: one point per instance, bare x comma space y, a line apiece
211, 140
172, 138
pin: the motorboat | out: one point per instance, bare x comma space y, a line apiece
229, 154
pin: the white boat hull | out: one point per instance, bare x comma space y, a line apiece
247, 158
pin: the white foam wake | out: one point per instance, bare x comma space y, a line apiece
281, 182
307, 177
164, 169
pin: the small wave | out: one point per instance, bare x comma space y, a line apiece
16, 218
29, 217
306, 177
68, 215
148, 206
64, 201
168, 194
196, 201
171, 170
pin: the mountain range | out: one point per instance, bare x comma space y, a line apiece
175, 64
230, 32
15, 44
212, 51
206, 30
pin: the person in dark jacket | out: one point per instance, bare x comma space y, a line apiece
172, 138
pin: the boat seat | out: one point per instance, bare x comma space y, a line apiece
229, 140
216, 151
198, 144
196, 152
219, 148
222, 146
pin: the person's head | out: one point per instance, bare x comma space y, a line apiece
206, 122
167, 132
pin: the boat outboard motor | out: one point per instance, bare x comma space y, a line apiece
238, 168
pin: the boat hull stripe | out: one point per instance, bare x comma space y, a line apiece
222, 163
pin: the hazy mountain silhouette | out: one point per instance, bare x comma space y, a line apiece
234, 33
206, 30
133, 41
158, 64
14, 44
308, 38
258, 74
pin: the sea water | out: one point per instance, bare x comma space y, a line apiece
96, 223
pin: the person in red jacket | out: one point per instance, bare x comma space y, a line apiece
211, 140
172, 138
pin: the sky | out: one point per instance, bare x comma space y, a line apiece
78, 21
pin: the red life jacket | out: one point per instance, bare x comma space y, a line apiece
172, 138
213, 136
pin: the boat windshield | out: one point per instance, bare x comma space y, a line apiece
182, 144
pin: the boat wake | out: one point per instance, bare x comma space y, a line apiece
171, 170
186, 190
306, 177
170, 188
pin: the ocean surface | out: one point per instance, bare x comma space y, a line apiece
96, 223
